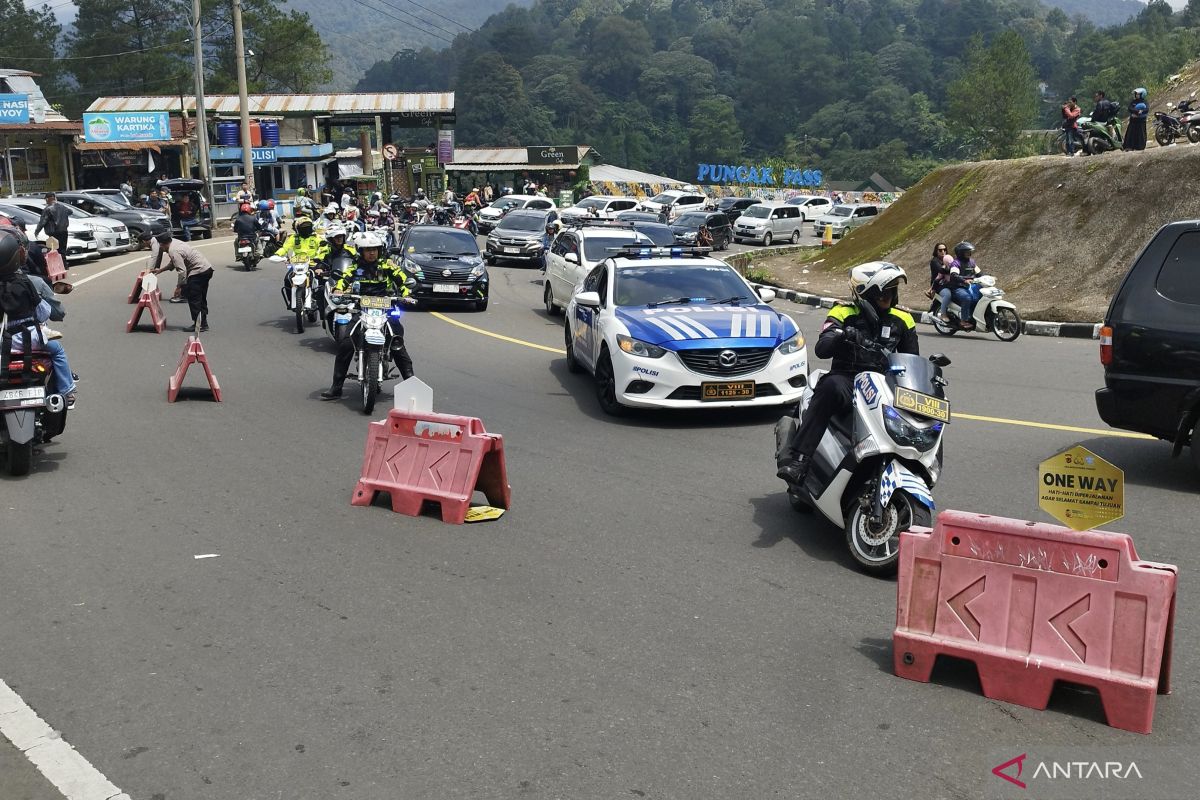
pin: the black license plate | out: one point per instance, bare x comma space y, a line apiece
922, 404
734, 390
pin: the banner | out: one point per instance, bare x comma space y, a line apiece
445, 146
127, 126
14, 109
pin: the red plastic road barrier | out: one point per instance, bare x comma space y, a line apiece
55, 271
418, 456
193, 353
148, 300
1032, 604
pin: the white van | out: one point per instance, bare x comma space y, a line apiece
769, 222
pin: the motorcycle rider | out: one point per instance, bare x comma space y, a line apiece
270, 221
872, 318
373, 274
963, 272
304, 205
328, 217
246, 225
303, 245
335, 245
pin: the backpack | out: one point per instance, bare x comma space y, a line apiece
18, 297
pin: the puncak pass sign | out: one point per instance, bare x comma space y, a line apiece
127, 126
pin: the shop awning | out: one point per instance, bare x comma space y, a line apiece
155, 146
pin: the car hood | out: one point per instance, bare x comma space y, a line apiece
515, 233
687, 326
438, 261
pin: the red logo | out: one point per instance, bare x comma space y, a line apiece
1019, 761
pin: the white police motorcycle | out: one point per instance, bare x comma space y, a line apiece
874, 470
298, 294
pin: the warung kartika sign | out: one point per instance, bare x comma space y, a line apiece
127, 126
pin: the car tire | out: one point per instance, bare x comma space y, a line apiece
767, 239
548, 299
573, 366
737, 240
796, 236
606, 387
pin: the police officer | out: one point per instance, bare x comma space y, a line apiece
845, 337
374, 275
303, 245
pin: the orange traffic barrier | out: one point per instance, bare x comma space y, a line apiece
418, 457
1032, 604
148, 298
137, 288
193, 353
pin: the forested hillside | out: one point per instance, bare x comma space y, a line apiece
1101, 12
854, 86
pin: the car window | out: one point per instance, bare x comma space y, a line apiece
756, 212
591, 202
690, 201
522, 222
841, 211
603, 285
624, 205
426, 239
639, 286
658, 233
777, 214
663, 198
592, 282
597, 248
791, 212
1179, 277
717, 221
540, 204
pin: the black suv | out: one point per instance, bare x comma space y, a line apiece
734, 206
194, 190
1150, 342
688, 225
445, 264
140, 221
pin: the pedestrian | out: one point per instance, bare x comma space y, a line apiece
1070, 123
127, 190
55, 220
1135, 133
197, 273
488, 193
187, 214
161, 180
154, 201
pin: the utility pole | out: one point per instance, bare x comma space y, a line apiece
201, 121
243, 98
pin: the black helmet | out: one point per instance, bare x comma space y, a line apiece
963, 251
13, 245
304, 226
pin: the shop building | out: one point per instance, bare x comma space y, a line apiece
557, 168
35, 140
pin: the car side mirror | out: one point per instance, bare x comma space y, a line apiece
940, 360
588, 299
571, 258
765, 293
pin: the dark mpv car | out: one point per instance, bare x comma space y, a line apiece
688, 225
445, 264
1150, 342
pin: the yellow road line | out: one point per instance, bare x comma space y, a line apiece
957, 415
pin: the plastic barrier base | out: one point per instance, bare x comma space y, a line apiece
1032, 604
148, 300
193, 353
136, 292
418, 457
56, 271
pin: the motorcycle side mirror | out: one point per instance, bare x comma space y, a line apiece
940, 360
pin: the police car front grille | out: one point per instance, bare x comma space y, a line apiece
708, 361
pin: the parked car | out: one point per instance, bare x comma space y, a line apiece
676, 201
1150, 340
734, 206
687, 227
116, 195
637, 216
600, 207
811, 206
576, 251
767, 223
445, 265
489, 215
845, 218
178, 187
138, 221
519, 235
81, 241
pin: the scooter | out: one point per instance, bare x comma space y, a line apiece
992, 313
874, 470
247, 253
32, 409
1100, 137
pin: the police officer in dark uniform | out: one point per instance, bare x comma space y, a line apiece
846, 336
377, 276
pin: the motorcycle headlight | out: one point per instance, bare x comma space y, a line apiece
636, 347
905, 433
793, 345
412, 268
374, 322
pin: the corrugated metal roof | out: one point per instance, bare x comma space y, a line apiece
607, 172
471, 158
283, 104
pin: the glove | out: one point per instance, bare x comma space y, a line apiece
851, 336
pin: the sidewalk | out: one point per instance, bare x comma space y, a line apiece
20, 779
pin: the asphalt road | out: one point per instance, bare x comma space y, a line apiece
650, 619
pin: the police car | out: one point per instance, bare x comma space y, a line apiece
670, 327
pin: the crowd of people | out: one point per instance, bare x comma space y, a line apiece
1106, 112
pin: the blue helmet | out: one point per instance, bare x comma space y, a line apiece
1140, 93
263, 205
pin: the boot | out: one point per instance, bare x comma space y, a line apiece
332, 393
204, 323
795, 471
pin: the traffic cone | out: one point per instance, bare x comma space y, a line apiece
827, 237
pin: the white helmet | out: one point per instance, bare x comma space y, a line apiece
336, 229
331, 209
871, 280
367, 240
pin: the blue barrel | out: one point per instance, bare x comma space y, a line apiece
229, 134
270, 132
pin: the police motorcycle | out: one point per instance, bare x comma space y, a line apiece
372, 339
32, 409
298, 294
338, 311
992, 313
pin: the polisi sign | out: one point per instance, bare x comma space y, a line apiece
551, 156
14, 109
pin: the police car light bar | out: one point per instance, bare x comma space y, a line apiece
586, 222
639, 251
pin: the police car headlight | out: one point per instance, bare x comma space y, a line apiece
905, 433
793, 345
636, 347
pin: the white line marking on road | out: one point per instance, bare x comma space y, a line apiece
142, 258
62, 765
207, 555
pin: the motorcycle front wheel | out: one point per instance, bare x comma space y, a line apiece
1193, 134
369, 381
876, 547
1164, 137
1006, 324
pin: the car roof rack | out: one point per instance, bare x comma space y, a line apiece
637, 251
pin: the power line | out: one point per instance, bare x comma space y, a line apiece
101, 55
443, 16
404, 21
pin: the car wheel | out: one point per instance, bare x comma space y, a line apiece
767, 239
796, 236
572, 364
548, 299
606, 387
736, 240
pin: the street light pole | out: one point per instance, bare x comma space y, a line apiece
201, 121
243, 96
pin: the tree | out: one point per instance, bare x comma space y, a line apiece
130, 47
289, 55
497, 111
28, 42
996, 98
714, 136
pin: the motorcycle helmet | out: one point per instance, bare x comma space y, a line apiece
872, 280
331, 209
262, 205
301, 192
334, 231
963, 252
420, 192
270, 205
244, 208
304, 226
13, 245
370, 241
1140, 94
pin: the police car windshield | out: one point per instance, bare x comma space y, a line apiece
597, 248
671, 284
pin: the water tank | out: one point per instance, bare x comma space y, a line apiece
229, 134
255, 133
270, 132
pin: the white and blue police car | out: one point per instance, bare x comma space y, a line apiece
670, 327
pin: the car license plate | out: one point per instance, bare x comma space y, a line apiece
735, 390
90, 246
446, 288
27, 393
243, 251
512, 249
922, 404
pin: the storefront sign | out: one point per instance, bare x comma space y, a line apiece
14, 109
445, 148
139, 126
262, 155
551, 156
756, 176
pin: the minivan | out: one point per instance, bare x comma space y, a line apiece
845, 218
767, 223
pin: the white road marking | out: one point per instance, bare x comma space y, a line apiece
62, 765
142, 259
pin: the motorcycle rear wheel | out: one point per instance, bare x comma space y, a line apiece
945, 328
1193, 134
369, 381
